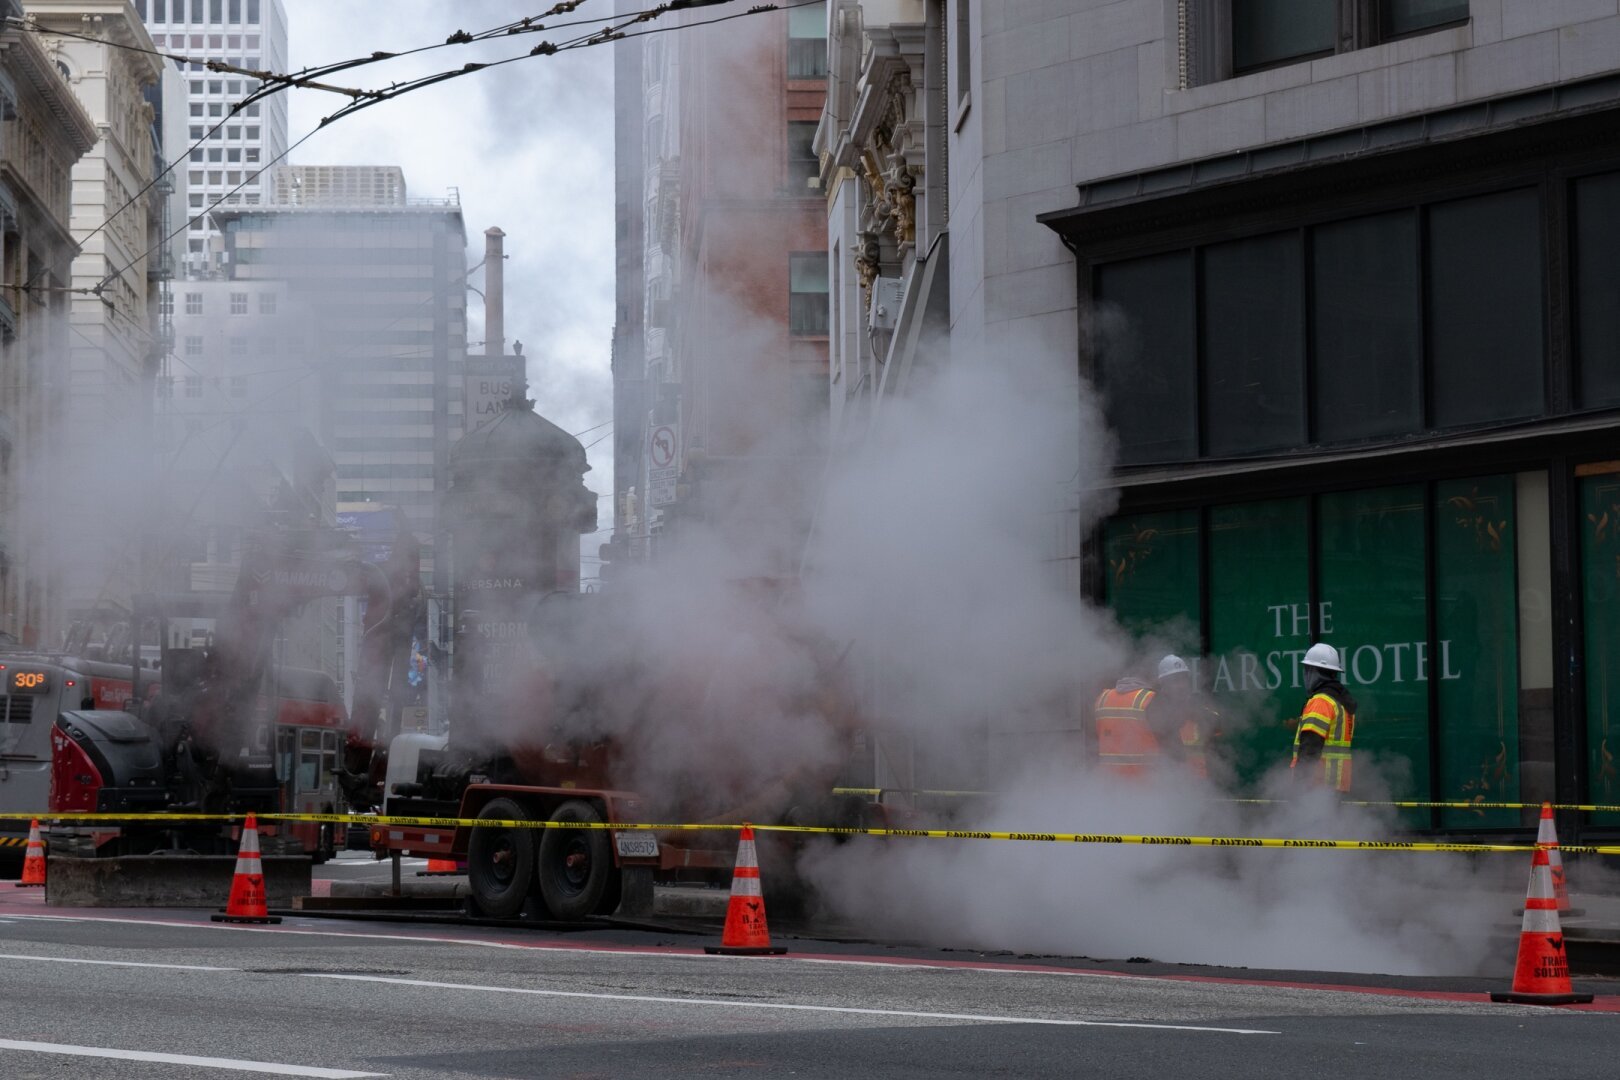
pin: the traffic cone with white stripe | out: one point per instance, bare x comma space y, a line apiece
1541, 976
247, 900
1547, 837
33, 872
745, 933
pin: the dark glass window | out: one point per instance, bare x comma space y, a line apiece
1600, 587
236, 11
1597, 290
216, 12
1371, 549
807, 42
807, 294
1145, 340
253, 11
1485, 308
1396, 17
803, 164
140, 8
1365, 330
1253, 338
1266, 32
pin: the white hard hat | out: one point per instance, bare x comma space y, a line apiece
1172, 665
1323, 656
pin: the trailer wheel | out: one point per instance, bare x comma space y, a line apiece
500, 862
576, 865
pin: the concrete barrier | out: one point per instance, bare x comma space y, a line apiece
202, 881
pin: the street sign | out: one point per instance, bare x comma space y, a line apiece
487, 385
663, 464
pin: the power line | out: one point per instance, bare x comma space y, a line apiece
274, 82
600, 37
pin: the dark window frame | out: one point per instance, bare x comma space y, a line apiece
1361, 24
821, 326
800, 65
801, 170
1555, 158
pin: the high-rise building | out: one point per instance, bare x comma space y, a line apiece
720, 352
383, 279
250, 34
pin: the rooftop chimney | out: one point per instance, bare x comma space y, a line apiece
494, 292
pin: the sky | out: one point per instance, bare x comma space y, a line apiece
529, 147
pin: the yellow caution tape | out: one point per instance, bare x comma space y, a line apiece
826, 830
1404, 804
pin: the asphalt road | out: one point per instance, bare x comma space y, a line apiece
87, 994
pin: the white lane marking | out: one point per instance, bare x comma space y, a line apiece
112, 963
795, 1008
284, 929
272, 1067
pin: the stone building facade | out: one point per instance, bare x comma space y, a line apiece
1340, 277
114, 350
43, 132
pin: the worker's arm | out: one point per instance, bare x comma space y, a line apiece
1314, 725
1162, 721
1310, 745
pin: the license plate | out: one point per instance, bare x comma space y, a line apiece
636, 845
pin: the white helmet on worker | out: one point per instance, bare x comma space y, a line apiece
1172, 665
1324, 656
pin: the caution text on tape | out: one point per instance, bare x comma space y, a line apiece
1143, 839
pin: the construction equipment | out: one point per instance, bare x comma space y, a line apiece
228, 729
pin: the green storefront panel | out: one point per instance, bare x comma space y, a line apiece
1152, 566
1477, 626
1375, 611
1259, 626
1600, 584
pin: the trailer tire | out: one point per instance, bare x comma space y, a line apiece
576, 865
500, 862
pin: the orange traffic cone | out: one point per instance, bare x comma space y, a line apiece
33, 875
745, 933
246, 903
1547, 837
1541, 976
440, 868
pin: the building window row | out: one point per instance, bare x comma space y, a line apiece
1439, 596
209, 12
1236, 37
232, 133
1420, 319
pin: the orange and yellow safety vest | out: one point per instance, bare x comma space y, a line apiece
1336, 725
1125, 743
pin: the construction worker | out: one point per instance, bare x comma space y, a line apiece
1126, 745
1179, 716
1327, 724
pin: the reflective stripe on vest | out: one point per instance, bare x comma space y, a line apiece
1125, 743
1192, 747
1341, 729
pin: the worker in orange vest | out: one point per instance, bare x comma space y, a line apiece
1328, 723
1180, 717
1126, 744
